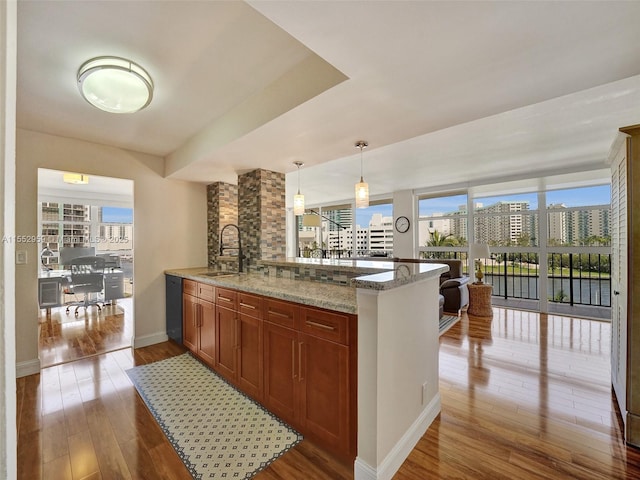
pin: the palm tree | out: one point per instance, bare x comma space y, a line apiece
439, 240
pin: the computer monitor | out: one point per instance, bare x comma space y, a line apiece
69, 253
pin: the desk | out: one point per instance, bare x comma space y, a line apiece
51, 284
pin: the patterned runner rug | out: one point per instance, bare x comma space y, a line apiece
217, 431
446, 322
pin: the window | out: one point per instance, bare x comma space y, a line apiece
508, 220
374, 226
442, 226
579, 216
108, 229
335, 238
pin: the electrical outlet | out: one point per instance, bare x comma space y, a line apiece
425, 390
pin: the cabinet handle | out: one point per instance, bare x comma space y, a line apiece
320, 325
278, 314
616, 292
300, 378
293, 359
225, 299
246, 305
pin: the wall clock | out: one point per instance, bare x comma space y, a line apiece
402, 224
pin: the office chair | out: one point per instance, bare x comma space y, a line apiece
87, 277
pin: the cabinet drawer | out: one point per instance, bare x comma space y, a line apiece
190, 287
332, 326
226, 298
113, 291
250, 304
206, 292
281, 313
113, 278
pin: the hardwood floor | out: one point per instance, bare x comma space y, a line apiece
63, 337
524, 396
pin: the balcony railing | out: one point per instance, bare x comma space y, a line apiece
572, 278
580, 278
513, 275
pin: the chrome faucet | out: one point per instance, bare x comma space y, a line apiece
222, 247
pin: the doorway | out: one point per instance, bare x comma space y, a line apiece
82, 216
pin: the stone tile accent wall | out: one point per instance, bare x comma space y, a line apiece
261, 215
337, 277
222, 209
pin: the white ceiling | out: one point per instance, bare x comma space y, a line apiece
100, 191
446, 93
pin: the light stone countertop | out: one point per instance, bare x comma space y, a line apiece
341, 298
377, 274
400, 274
317, 294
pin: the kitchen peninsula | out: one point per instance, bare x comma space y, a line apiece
328, 328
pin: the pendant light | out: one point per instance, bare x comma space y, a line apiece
362, 188
298, 198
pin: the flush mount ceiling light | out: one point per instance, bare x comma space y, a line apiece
298, 198
75, 178
115, 84
362, 188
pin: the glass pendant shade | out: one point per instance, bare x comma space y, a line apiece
298, 204
298, 198
115, 85
362, 194
362, 188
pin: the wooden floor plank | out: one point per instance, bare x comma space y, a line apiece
524, 396
82, 455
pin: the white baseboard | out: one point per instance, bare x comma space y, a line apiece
146, 340
29, 367
399, 453
363, 471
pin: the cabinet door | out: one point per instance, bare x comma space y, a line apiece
250, 355
190, 318
226, 342
280, 371
324, 391
49, 292
207, 340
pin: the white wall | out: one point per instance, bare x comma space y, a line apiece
404, 244
170, 228
8, 436
397, 354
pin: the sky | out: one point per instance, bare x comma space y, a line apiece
117, 215
577, 197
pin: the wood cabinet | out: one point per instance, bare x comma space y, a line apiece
310, 378
198, 321
298, 361
226, 334
250, 342
280, 378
